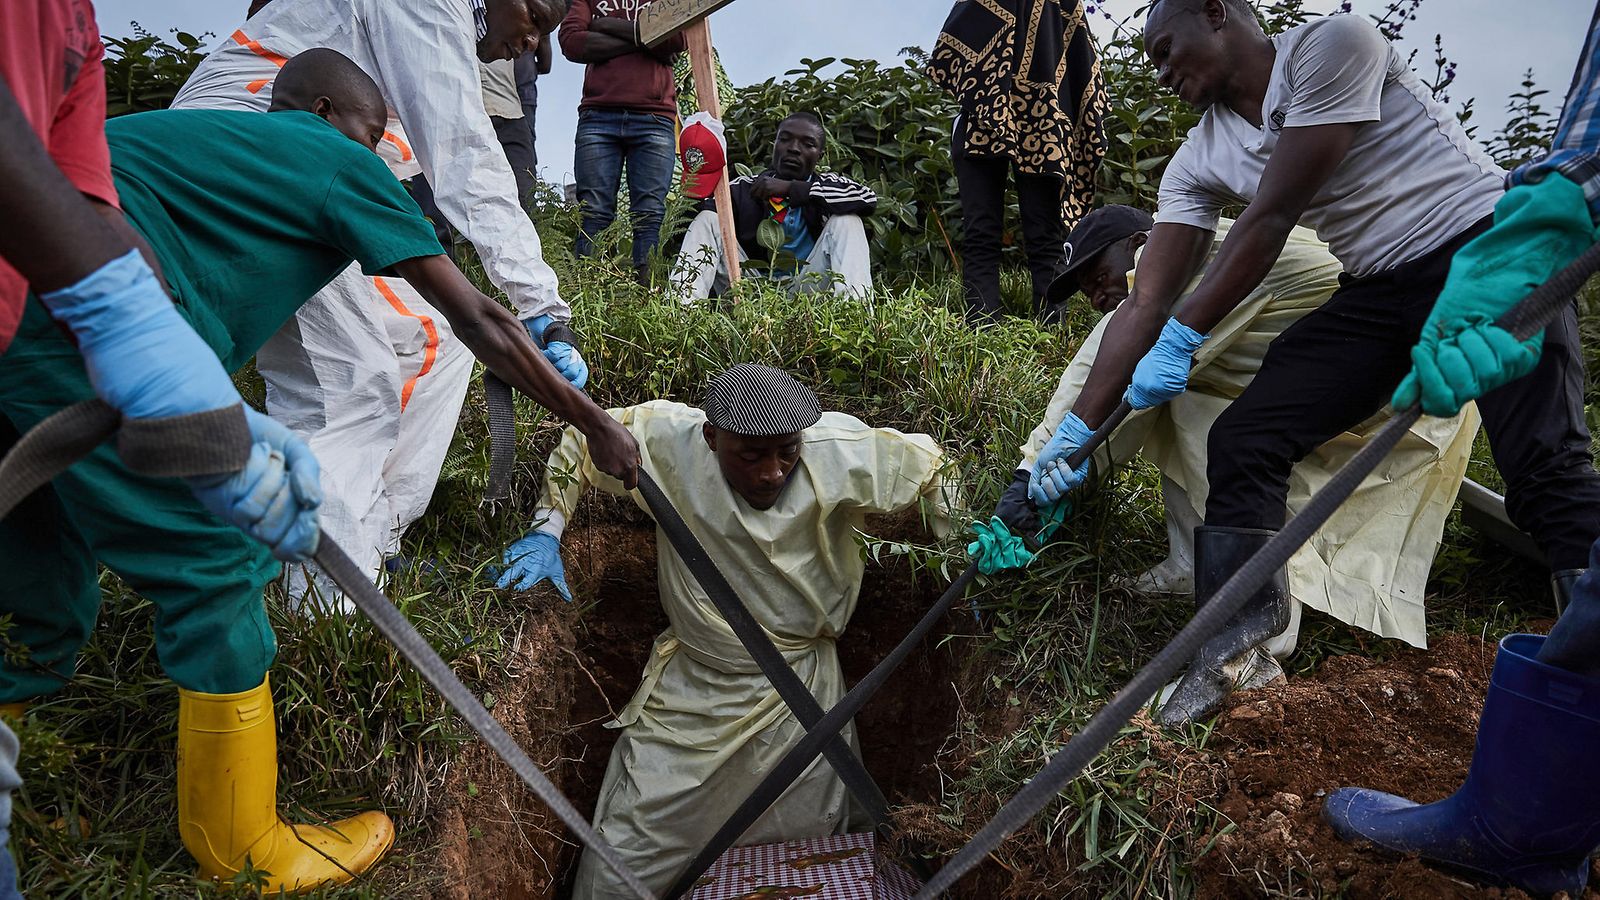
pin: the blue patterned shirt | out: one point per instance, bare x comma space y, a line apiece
1575, 152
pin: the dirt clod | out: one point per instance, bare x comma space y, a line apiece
497, 839
1406, 725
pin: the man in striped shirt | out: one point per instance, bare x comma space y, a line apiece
803, 224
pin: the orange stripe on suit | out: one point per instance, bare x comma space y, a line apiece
430, 349
255, 47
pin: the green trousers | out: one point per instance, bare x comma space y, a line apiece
204, 577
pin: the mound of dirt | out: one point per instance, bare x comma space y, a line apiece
497, 839
566, 676
1406, 725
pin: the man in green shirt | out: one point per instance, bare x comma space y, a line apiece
248, 216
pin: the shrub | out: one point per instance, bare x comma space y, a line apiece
888, 127
144, 72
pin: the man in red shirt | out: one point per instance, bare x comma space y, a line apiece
67, 244
628, 117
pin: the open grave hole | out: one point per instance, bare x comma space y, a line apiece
1406, 724
571, 671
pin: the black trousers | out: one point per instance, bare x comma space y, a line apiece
982, 183
516, 141
1339, 364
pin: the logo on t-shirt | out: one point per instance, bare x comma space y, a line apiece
1277, 119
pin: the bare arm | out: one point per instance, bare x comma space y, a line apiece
1301, 164
497, 339
53, 236
113, 217
1171, 258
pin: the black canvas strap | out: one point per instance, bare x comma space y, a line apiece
766, 655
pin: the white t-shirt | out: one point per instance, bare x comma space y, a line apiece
1411, 181
499, 80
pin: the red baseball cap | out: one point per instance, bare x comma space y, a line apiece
704, 154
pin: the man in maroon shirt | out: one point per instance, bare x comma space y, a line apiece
627, 117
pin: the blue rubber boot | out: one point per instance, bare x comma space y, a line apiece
1529, 813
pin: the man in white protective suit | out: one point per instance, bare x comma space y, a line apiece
1368, 565
775, 490
368, 373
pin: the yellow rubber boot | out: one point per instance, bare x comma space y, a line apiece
228, 801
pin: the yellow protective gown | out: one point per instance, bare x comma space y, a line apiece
1368, 566
706, 724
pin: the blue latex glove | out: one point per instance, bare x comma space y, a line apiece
531, 560
1051, 480
275, 497
142, 357
562, 354
1163, 373
1462, 355
144, 360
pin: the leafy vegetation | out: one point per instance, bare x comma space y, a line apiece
96, 816
888, 127
144, 72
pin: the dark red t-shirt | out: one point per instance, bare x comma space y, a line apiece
50, 57
642, 81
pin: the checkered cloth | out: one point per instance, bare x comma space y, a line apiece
841, 867
1575, 152
760, 401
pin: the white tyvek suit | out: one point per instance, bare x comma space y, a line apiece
368, 372
705, 723
1368, 564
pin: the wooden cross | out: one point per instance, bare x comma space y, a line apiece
664, 18
656, 23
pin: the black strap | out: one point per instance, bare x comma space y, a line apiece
203, 443
59, 441
766, 655
398, 631
502, 436
1523, 321
804, 752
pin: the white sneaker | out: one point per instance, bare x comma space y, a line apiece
1171, 577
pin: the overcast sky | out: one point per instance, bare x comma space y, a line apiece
758, 39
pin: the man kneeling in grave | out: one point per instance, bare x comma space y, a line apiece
775, 490
1367, 566
802, 225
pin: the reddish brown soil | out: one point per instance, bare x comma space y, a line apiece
1405, 725
578, 669
497, 839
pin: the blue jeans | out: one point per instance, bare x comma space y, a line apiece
648, 144
8, 782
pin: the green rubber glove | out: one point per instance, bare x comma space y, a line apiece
996, 548
1462, 355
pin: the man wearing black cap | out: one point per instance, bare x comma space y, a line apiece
775, 489
1097, 257
1369, 564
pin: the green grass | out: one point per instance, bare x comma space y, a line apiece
359, 729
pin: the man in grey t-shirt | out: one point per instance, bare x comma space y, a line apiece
1323, 125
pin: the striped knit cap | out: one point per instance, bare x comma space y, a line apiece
758, 401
